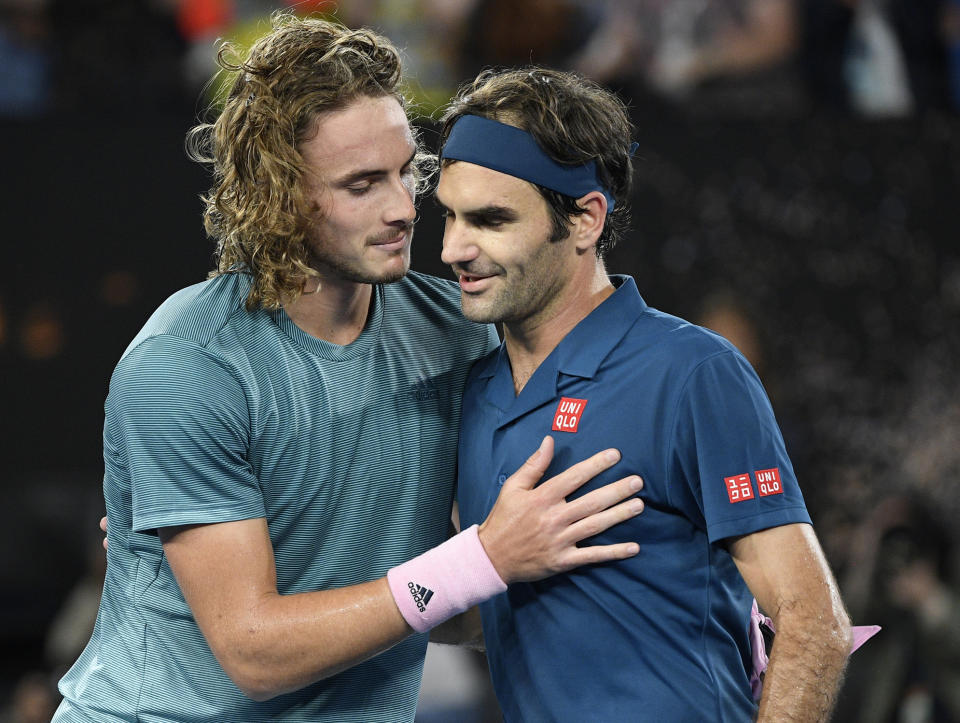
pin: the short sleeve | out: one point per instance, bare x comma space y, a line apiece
728, 454
179, 421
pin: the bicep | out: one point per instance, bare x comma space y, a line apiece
785, 567
225, 570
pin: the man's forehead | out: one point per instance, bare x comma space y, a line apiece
369, 130
467, 183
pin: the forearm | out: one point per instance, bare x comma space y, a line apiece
270, 643
806, 666
284, 642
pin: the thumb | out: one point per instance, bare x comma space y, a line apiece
532, 470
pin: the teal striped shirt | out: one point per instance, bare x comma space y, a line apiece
217, 414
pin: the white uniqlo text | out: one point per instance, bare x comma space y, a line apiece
567, 416
739, 488
768, 482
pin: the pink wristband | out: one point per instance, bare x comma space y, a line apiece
444, 581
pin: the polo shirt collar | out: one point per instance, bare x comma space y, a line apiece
579, 353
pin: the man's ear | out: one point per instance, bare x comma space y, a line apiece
587, 226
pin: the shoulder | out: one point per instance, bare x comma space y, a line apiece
676, 341
426, 293
429, 308
197, 313
177, 343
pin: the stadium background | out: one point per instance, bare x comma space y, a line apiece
819, 234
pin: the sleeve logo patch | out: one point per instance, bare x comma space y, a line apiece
739, 488
768, 482
568, 414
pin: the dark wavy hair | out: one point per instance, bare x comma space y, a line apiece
258, 210
573, 119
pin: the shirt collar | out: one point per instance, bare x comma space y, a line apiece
580, 353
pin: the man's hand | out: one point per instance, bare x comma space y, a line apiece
532, 531
103, 526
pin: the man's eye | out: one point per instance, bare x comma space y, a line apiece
359, 190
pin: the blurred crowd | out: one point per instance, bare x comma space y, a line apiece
876, 58
797, 201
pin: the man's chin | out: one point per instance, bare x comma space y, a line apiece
374, 276
477, 313
394, 277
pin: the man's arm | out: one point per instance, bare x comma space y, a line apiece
271, 644
786, 571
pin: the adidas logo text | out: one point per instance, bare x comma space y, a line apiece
421, 595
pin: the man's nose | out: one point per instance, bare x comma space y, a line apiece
400, 207
458, 247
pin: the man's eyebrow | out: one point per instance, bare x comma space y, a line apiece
370, 173
491, 213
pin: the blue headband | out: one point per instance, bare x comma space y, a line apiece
513, 151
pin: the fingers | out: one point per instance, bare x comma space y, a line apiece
598, 553
532, 470
605, 519
572, 478
603, 497
103, 524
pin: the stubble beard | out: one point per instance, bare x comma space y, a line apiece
340, 268
516, 299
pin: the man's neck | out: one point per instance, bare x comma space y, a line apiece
336, 312
530, 342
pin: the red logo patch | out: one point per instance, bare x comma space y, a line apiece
739, 488
768, 482
568, 414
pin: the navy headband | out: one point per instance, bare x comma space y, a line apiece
513, 151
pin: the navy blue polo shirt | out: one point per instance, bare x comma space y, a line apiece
662, 636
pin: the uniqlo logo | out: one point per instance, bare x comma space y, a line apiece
568, 414
739, 488
768, 482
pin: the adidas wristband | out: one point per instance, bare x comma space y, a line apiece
444, 581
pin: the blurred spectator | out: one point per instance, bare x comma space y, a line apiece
899, 573
876, 57
25, 85
429, 34
523, 32
723, 313
740, 44
33, 700
714, 55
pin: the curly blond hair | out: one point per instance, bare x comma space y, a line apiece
258, 210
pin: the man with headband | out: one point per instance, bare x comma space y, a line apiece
280, 440
535, 175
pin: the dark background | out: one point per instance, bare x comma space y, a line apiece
826, 241
837, 238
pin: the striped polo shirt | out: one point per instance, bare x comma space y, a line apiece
216, 414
